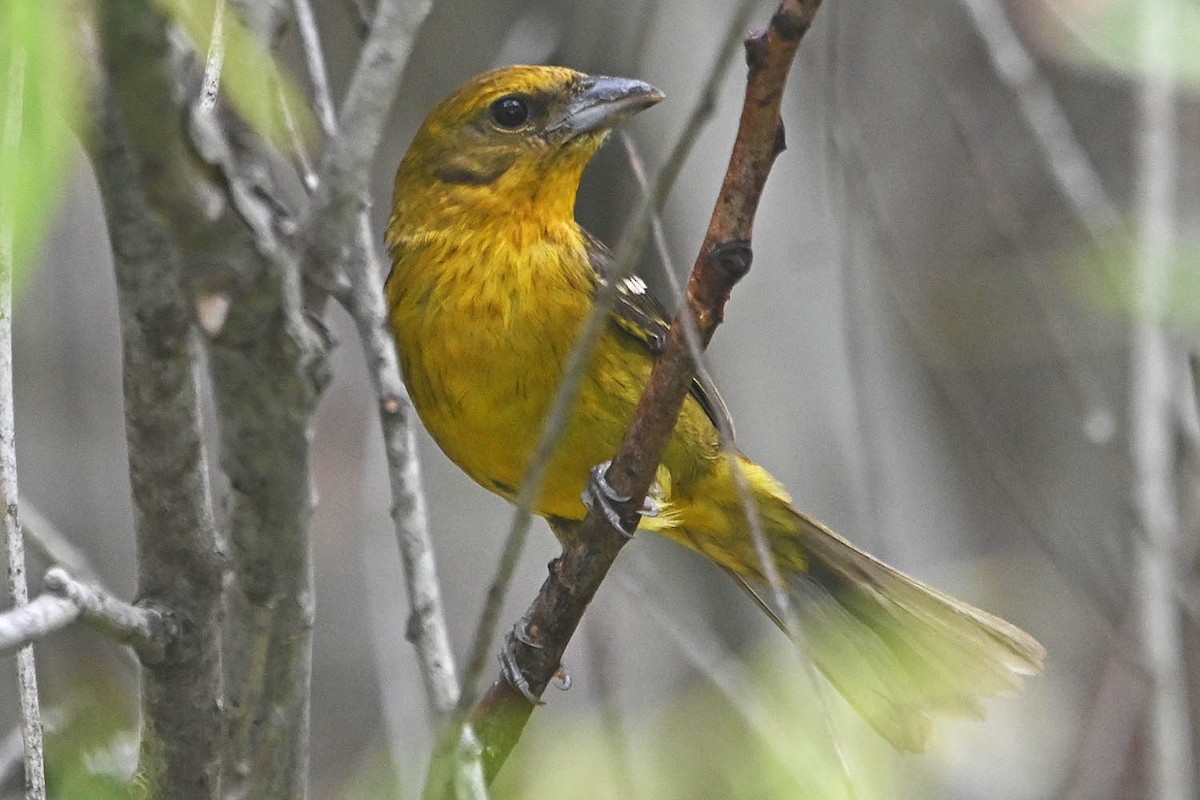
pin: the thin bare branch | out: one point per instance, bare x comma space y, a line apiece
691, 336
427, 621
766, 559
1072, 169
65, 600
44, 538
31, 720
343, 176
147, 630
1155, 366
590, 547
426, 627
210, 86
35, 620
1095, 408
307, 174
314, 59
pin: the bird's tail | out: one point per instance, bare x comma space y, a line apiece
896, 649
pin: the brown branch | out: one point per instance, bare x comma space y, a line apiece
590, 547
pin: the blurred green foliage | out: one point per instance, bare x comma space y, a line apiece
91, 752
40, 98
698, 745
776, 742
1107, 278
1113, 31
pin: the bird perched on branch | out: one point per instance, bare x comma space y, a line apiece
492, 279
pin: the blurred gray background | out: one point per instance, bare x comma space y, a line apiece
924, 353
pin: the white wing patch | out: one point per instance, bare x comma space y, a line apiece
633, 285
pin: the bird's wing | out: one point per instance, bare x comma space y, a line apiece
641, 316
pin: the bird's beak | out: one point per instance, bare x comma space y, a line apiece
601, 104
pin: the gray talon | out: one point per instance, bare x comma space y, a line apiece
600, 492
521, 634
600, 483
516, 679
650, 507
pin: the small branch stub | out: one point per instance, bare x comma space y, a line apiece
65, 600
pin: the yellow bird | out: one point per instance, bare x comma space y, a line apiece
491, 281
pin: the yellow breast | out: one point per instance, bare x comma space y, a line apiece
484, 324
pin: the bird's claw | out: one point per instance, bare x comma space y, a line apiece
512, 673
600, 492
650, 506
522, 635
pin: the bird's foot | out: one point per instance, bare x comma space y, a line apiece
600, 492
511, 670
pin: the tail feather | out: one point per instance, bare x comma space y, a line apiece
899, 651
896, 649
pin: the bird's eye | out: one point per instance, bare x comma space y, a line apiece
510, 111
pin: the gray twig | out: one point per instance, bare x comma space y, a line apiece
31, 720
210, 87
1154, 366
691, 335
34, 619
147, 630
427, 624
1070, 165
342, 181
1096, 408
314, 59
12, 749
44, 538
427, 621
762, 547
65, 600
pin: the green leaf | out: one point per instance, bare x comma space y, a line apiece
39, 99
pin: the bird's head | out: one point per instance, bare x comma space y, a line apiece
512, 139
